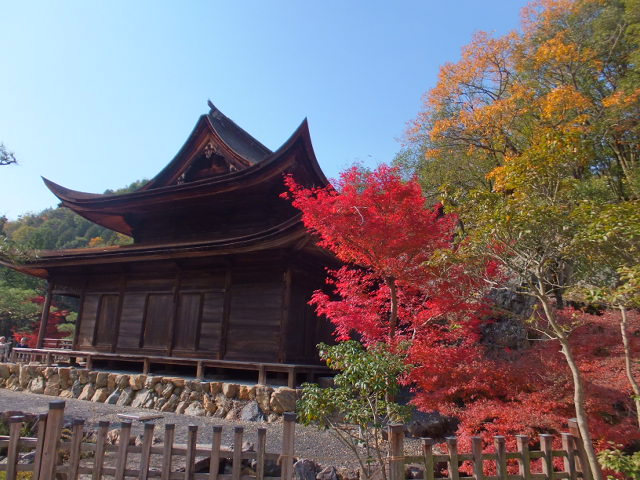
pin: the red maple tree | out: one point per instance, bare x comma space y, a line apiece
382, 228
393, 288
56, 317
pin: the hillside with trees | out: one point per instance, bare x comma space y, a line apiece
51, 229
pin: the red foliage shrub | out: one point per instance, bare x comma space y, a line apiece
55, 318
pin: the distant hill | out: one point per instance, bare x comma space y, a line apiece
60, 228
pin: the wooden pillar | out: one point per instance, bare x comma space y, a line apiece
121, 290
226, 312
176, 306
44, 318
582, 465
288, 445
55, 418
284, 319
396, 452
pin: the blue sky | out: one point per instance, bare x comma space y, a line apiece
95, 95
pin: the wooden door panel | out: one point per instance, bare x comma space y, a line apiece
157, 321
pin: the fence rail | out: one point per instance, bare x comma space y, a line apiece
75, 456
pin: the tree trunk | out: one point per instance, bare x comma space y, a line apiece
578, 389
393, 316
393, 324
628, 360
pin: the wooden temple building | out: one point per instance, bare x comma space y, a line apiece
220, 269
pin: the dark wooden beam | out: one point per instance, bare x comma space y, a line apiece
44, 318
123, 283
76, 332
284, 320
176, 306
226, 312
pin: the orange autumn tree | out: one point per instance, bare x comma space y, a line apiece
533, 138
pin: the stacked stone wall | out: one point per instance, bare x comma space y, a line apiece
165, 394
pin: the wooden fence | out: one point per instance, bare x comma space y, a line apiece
57, 456
574, 459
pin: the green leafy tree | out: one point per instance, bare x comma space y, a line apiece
533, 138
357, 410
627, 465
17, 310
6, 157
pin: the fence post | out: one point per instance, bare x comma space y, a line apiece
476, 450
546, 445
396, 452
103, 430
260, 451
214, 461
524, 462
15, 425
236, 466
427, 452
500, 444
51, 440
145, 454
42, 425
288, 432
74, 451
569, 460
190, 458
582, 465
454, 463
167, 450
123, 450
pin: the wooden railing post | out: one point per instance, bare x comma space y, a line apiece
236, 466
260, 451
51, 440
427, 453
103, 430
123, 450
396, 452
15, 425
569, 460
454, 463
74, 451
499, 443
167, 450
546, 445
524, 462
288, 432
582, 465
190, 458
214, 461
145, 454
476, 450
42, 426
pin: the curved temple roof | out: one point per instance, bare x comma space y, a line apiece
219, 158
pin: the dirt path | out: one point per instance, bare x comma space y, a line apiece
311, 443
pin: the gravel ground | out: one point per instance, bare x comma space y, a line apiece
311, 443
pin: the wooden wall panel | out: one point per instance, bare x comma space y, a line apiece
106, 318
131, 320
210, 324
157, 321
104, 283
88, 320
149, 283
199, 280
254, 323
186, 331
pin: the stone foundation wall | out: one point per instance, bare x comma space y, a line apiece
166, 394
